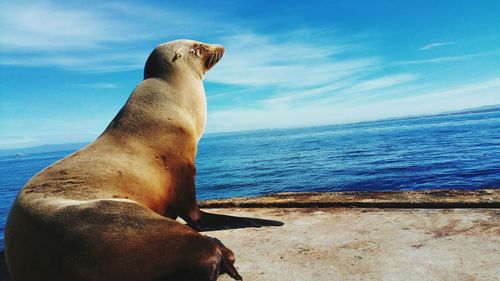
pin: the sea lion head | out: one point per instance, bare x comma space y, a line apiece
184, 57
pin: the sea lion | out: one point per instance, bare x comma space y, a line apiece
107, 211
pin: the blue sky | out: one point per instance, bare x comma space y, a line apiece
67, 68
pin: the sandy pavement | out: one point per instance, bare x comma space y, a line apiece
366, 244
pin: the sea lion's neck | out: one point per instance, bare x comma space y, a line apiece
189, 95
160, 110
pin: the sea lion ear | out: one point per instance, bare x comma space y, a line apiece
196, 50
176, 56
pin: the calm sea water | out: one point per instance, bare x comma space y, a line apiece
440, 152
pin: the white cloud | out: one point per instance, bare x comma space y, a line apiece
105, 62
430, 101
286, 97
435, 45
102, 37
257, 60
343, 87
348, 88
44, 26
322, 84
383, 82
47, 26
441, 59
99, 85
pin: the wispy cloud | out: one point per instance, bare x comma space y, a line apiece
47, 26
102, 37
340, 89
100, 61
441, 59
99, 85
383, 82
435, 45
428, 101
44, 26
258, 60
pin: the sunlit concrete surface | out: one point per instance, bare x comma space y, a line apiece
366, 244
408, 235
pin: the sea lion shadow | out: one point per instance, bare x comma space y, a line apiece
211, 222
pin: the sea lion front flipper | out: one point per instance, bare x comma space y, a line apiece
209, 221
227, 260
228, 267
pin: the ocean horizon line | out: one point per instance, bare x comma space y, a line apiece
58, 147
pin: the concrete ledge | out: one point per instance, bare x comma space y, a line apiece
425, 199
325, 244
406, 235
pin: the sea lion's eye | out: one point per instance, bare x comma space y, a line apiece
177, 56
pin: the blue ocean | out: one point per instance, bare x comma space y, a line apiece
434, 152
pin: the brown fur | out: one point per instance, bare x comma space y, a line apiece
107, 211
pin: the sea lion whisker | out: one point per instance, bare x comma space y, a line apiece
210, 64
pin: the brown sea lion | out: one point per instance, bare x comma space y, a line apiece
107, 212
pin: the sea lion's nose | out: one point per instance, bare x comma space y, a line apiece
217, 48
215, 54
